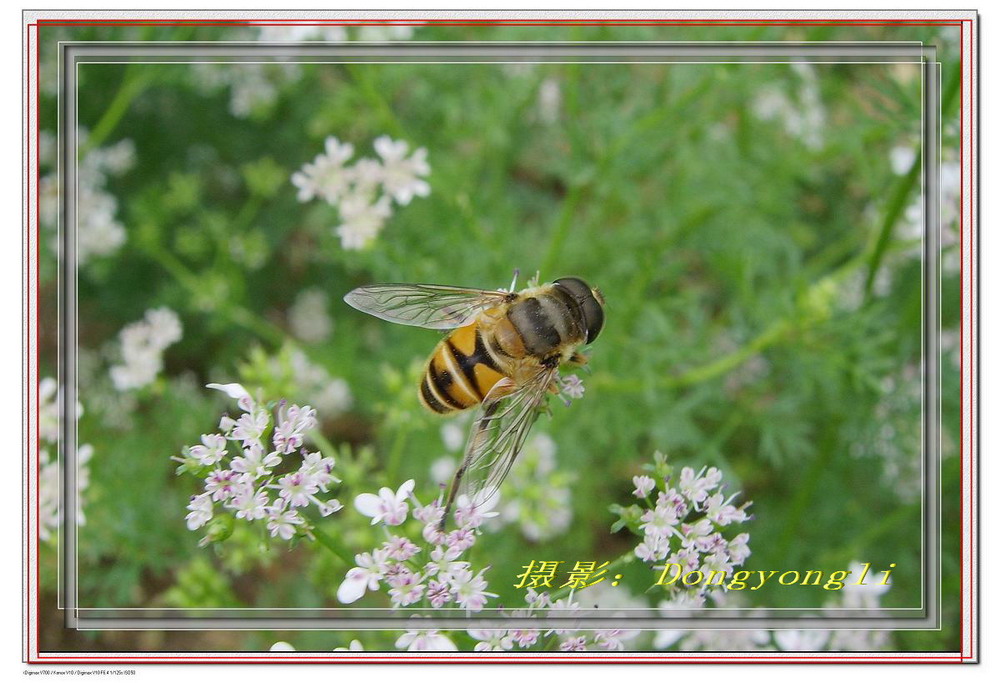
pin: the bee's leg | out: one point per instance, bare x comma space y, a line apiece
513, 283
578, 359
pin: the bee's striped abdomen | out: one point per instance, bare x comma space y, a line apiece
460, 373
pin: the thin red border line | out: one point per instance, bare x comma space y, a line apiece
37, 76
961, 334
972, 301
972, 323
520, 658
26, 509
971, 305
498, 660
426, 22
961, 330
961, 24
38, 430
513, 22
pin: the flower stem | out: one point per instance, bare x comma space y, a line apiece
331, 544
133, 83
236, 313
396, 452
324, 443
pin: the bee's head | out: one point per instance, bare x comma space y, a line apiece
590, 300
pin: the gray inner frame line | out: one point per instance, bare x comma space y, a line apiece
73, 54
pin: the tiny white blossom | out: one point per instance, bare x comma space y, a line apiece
308, 316
401, 175
443, 469
696, 487
211, 450
380, 34
901, 158
387, 507
201, 511
430, 641
453, 436
406, 588
643, 485
492, 640
355, 646
470, 590
326, 177
142, 346
254, 463
363, 220
549, 100
232, 390
472, 514
282, 522
801, 641
867, 595
297, 32
297, 489
223, 484
365, 576
249, 504
572, 387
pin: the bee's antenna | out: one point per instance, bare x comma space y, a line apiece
513, 283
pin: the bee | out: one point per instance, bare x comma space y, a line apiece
501, 357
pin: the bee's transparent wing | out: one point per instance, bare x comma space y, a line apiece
498, 433
437, 307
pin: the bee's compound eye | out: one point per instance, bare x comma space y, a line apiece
594, 314
576, 287
593, 311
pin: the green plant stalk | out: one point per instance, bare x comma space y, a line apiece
396, 452
897, 203
648, 123
132, 86
234, 312
331, 544
323, 442
133, 83
360, 75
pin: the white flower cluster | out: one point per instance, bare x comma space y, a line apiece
538, 495
364, 193
142, 345
682, 525
569, 640
49, 479
549, 100
333, 34
804, 119
851, 596
296, 32
308, 316
253, 87
330, 395
911, 226
250, 486
428, 571
99, 232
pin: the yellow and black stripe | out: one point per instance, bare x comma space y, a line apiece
461, 371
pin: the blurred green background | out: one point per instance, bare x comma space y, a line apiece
750, 225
